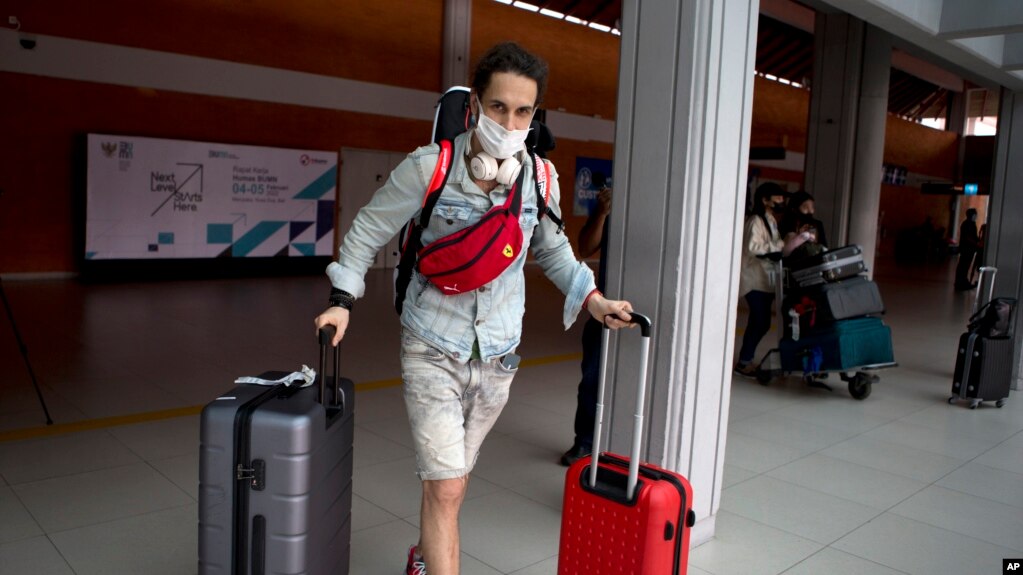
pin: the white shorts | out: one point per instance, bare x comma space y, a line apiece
451, 406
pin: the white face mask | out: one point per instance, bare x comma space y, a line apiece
496, 140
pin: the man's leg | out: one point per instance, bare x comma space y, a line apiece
963, 269
438, 540
451, 407
586, 397
433, 388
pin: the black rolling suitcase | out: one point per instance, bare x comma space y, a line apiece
830, 266
983, 370
275, 477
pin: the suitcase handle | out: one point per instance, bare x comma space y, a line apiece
326, 336
637, 430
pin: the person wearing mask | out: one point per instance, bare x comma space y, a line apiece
969, 241
756, 280
458, 347
802, 242
800, 210
592, 237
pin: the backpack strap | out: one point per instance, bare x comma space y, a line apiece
542, 175
410, 240
437, 182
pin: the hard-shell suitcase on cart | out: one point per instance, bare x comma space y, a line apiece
983, 369
834, 265
275, 477
622, 516
843, 345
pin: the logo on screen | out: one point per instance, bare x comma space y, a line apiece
305, 160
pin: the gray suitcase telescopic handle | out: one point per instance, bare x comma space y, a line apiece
645, 326
326, 336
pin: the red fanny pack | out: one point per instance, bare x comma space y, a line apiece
476, 255
472, 257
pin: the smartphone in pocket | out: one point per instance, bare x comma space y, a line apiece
510, 361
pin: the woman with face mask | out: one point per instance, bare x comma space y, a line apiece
458, 348
802, 207
756, 282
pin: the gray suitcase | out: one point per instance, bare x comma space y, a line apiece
275, 477
834, 265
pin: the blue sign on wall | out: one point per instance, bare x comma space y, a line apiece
591, 175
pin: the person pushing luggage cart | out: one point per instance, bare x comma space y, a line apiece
828, 312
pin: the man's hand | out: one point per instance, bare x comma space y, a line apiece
592, 233
337, 317
601, 307
604, 201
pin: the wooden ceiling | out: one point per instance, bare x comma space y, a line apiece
785, 51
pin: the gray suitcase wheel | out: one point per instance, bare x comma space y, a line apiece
952, 400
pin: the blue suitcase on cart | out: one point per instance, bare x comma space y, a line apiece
840, 346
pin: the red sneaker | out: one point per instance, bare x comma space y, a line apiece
414, 566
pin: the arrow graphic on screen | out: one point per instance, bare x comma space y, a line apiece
197, 170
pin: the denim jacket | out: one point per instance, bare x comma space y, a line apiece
492, 314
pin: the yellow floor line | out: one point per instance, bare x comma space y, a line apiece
100, 423
149, 416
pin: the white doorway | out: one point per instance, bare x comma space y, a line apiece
362, 173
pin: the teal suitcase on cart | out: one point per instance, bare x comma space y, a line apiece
840, 346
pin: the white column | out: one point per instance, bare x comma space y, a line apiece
1005, 237
831, 130
457, 38
845, 140
681, 151
868, 152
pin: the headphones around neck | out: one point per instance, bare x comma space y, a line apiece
485, 167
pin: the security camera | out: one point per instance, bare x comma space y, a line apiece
27, 42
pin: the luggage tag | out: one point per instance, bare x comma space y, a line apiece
307, 375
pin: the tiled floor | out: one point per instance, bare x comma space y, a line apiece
815, 482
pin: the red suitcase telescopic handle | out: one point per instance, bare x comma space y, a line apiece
645, 326
326, 336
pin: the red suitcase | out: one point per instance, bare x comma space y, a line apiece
624, 517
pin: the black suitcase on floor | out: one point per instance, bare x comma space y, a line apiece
275, 477
983, 369
830, 266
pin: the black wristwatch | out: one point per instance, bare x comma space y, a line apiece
341, 298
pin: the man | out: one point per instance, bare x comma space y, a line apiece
968, 243
457, 355
592, 237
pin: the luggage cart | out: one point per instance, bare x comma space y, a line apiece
858, 377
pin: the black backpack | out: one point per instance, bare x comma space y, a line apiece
452, 117
994, 319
